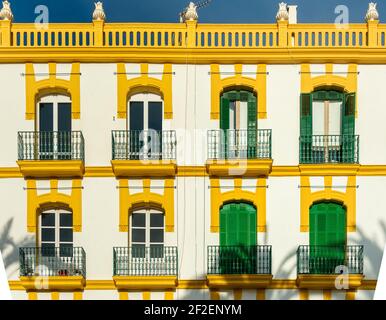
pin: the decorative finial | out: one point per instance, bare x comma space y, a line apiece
190, 13
282, 14
372, 12
99, 12
6, 12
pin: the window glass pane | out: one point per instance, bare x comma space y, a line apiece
48, 234
46, 117
48, 219
65, 220
66, 250
232, 115
138, 235
66, 235
136, 115
138, 251
48, 249
156, 251
156, 235
138, 220
64, 117
156, 220
155, 116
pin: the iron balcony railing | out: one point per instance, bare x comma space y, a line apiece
329, 149
240, 144
145, 261
239, 259
330, 259
51, 145
144, 145
52, 261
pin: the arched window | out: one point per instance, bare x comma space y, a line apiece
56, 232
327, 127
54, 127
147, 233
327, 237
145, 125
238, 121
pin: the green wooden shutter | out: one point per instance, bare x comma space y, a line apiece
327, 237
348, 128
305, 128
252, 126
224, 112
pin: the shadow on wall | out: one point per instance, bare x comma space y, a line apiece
373, 250
10, 248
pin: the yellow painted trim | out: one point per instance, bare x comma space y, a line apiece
192, 171
55, 295
327, 295
169, 295
146, 198
141, 168
53, 283
326, 281
35, 202
350, 294
239, 168
32, 296
201, 171
146, 295
145, 282
257, 84
214, 294
51, 168
238, 281
218, 198
123, 295
237, 294
145, 83
78, 295
304, 294
276, 284
329, 169
35, 89
260, 294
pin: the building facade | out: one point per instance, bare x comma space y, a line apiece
192, 161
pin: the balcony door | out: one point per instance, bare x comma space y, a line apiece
327, 237
238, 239
144, 123
238, 120
54, 127
327, 127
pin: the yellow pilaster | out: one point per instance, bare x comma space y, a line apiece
260, 294
191, 27
372, 27
237, 294
98, 32
5, 33
283, 33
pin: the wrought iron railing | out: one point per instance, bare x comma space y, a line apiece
239, 259
52, 261
240, 144
144, 144
51, 145
329, 149
330, 259
145, 261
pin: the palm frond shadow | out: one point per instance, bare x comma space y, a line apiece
10, 247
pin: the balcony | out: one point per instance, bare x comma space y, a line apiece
329, 149
63, 268
145, 267
239, 266
319, 266
48, 154
239, 152
144, 153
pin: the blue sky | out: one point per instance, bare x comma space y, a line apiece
225, 11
